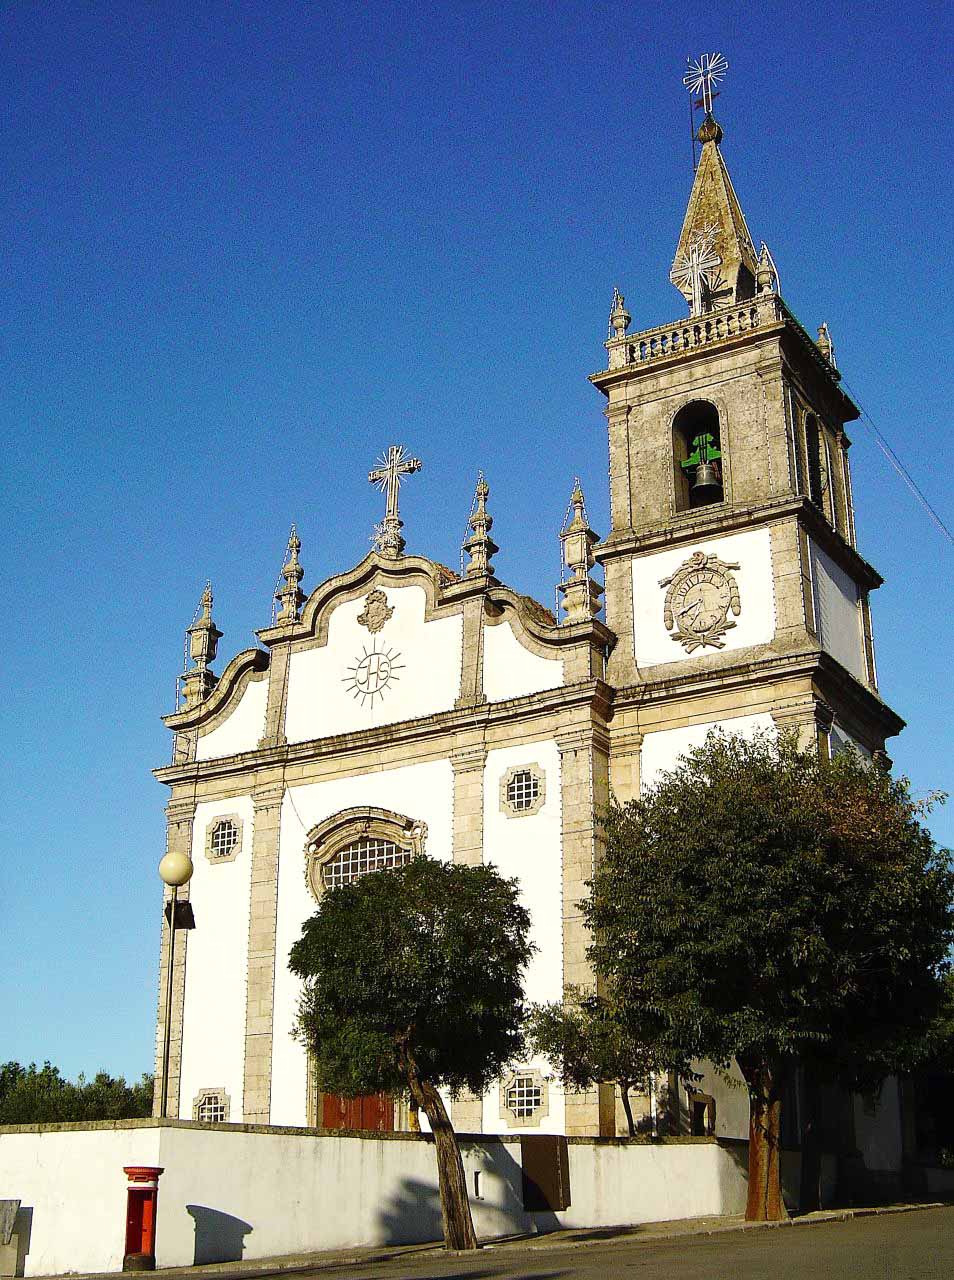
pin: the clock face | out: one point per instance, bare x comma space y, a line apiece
701, 602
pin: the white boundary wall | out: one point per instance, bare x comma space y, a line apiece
230, 1192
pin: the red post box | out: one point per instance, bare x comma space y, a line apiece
142, 1196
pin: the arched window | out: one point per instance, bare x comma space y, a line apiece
367, 853
697, 456
355, 842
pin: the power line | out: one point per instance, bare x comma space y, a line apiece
899, 466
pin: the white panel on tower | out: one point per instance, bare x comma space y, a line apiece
838, 613
720, 592
661, 751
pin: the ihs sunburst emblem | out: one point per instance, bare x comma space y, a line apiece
373, 673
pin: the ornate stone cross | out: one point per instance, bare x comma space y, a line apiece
391, 468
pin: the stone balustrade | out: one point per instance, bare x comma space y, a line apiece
711, 330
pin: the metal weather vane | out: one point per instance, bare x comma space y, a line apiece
703, 73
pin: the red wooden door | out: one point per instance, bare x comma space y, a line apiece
373, 1111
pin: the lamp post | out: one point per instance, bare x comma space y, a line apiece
175, 870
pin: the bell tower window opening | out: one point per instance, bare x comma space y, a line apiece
813, 449
361, 857
697, 456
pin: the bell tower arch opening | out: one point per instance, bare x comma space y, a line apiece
697, 456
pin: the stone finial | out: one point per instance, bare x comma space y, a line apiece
581, 594
825, 345
479, 545
290, 595
620, 318
766, 278
204, 636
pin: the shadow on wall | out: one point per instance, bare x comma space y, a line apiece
412, 1215
219, 1237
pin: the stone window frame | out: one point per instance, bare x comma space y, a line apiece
540, 1112
539, 776
210, 830
325, 840
208, 1095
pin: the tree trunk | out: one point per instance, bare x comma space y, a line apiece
764, 1203
455, 1206
624, 1094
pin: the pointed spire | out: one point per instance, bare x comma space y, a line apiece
620, 318
204, 636
479, 545
825, 344
715, 263
290, 596
581, 594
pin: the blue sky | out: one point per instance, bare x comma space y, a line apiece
246, 246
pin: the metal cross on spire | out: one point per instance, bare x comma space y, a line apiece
703, 73
392, 467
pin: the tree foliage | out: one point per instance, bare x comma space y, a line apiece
32, 1095
766, 904
588, 1040
413, 982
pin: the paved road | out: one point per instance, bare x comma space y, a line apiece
900, 1246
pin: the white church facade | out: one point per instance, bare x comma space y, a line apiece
404, 709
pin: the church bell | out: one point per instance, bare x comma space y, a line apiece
707, 486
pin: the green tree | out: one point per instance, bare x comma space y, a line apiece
772, 906
412, 984
588, 1039
32, 1095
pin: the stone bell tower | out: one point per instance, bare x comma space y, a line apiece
733, 581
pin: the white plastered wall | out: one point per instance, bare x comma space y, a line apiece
661, 750
752, 551
421, 791
213, 1029
529, 848
425, 658
838, 613
243, 729
512, 671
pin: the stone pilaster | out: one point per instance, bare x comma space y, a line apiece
180, 815
467, 1111
472, 653
618, 599
584, 786
812, 721
468, 765
626, 765
278, 666
263, 913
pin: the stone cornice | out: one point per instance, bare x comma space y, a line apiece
591, 696
839, 685
711, 522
